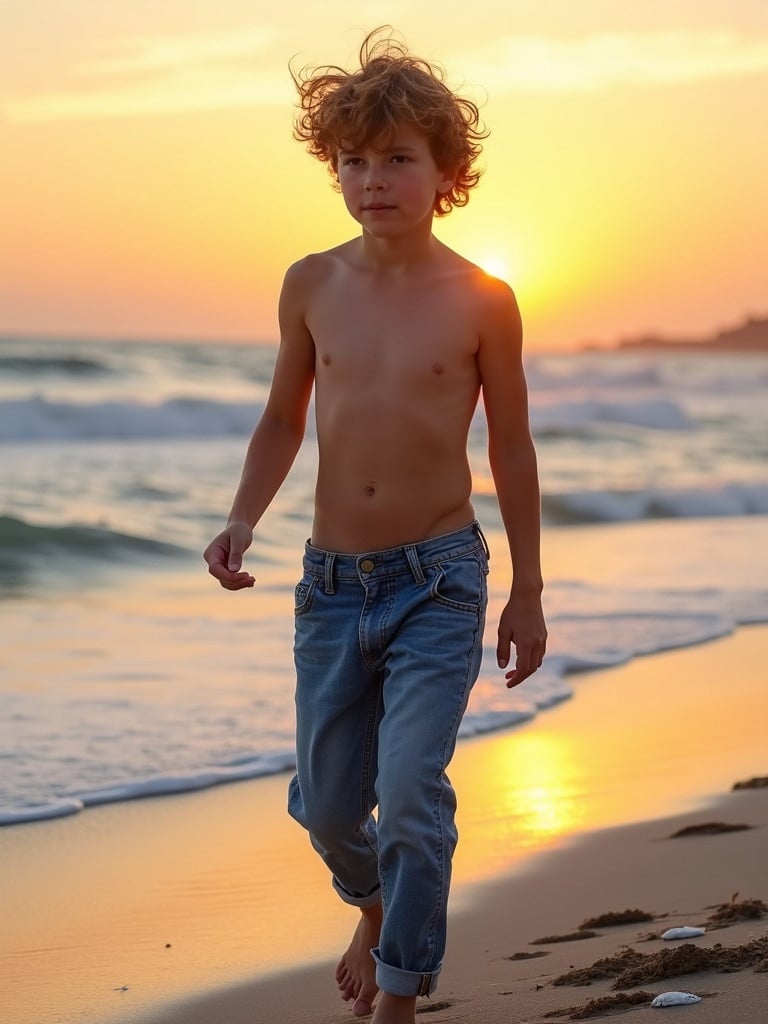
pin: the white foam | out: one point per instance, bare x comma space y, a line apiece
40, 812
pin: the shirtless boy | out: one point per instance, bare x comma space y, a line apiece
398, 335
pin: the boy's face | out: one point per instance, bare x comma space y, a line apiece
391, 190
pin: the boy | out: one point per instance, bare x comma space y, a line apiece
398, 335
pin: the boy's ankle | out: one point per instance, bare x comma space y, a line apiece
392, 1009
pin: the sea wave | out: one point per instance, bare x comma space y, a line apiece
40, 419
21, 541
574, 416
491, 708
596, 506
153, 785
548, 374
37, 365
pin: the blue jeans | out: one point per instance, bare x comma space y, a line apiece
387, 648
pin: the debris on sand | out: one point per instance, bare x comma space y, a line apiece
529, 956
606, 967
729, 913
443, 1004
686, 932
708, 828
675, 999
617, 917
570, 937
604, 1004
630, 968
758, 782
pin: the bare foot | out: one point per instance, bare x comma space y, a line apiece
356, 973
395, 1009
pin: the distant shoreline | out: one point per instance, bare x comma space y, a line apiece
749, 336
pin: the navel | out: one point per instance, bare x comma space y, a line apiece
370, 490
438, 368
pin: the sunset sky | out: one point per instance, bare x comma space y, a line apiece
150, 186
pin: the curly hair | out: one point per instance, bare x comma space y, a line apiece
346, 109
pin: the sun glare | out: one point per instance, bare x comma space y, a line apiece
495, 265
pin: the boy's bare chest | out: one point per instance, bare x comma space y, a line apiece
401, 334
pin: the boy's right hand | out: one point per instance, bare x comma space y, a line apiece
224, 556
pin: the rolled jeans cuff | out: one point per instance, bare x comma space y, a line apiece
373, 897
404, 983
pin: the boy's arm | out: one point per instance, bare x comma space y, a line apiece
513, 464
277, 437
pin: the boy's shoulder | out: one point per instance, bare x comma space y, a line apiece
450, 274
488, 293
322, 262
314, 269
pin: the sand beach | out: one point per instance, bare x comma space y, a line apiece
126, 673
210, 906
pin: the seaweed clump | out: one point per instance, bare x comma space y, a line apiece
604, 1004
606, 967
547, 940
758, 782
708, 828
730, 913
613, 918
630, 969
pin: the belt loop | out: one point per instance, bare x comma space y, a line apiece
330, 558
413, 561
484, 542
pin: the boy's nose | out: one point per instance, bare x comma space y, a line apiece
374, 181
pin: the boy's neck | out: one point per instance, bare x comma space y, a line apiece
397, 255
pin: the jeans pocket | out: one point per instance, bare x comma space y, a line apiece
303, 594
459, 584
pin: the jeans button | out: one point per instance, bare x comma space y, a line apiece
367, 565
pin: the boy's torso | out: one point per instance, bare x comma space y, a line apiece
396, 385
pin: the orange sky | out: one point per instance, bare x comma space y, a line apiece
151, 187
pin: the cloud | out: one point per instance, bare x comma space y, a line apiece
153, 53
161, 75
604, 60
156, 76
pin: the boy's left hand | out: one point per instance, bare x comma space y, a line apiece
521, 624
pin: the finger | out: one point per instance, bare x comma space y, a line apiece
503, 648
518, 676
239, 582
224, 576
219, 571
525, 665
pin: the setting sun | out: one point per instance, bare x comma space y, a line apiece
495, 265
145, 151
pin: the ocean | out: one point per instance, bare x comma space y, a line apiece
126, 671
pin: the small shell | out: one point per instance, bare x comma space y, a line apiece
675, 999
682, 933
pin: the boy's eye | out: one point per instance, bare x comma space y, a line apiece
351, 161
400, 158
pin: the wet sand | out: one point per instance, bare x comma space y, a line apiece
211, 906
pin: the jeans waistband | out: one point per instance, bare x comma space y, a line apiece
407, 558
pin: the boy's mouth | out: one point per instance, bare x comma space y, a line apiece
378, 206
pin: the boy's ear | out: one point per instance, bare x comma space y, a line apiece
447, 183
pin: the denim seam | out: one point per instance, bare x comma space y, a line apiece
317, 568
365, 781
446, 602
450, 737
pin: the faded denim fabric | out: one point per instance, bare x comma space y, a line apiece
387, 648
